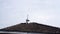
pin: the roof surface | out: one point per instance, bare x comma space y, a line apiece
32, 27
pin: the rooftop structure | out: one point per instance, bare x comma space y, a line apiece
32, 27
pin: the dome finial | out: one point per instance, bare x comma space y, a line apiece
27, 20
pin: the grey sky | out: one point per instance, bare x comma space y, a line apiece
41, 11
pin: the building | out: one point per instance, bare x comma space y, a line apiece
32, 27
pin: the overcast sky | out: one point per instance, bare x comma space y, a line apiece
40, 11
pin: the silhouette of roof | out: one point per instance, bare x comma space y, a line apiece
32, 27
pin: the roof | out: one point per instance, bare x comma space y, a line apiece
32, 27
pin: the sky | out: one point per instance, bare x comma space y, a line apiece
41, 11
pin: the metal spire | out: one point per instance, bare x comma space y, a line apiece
27, 20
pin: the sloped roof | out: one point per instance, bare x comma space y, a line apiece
32, 27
